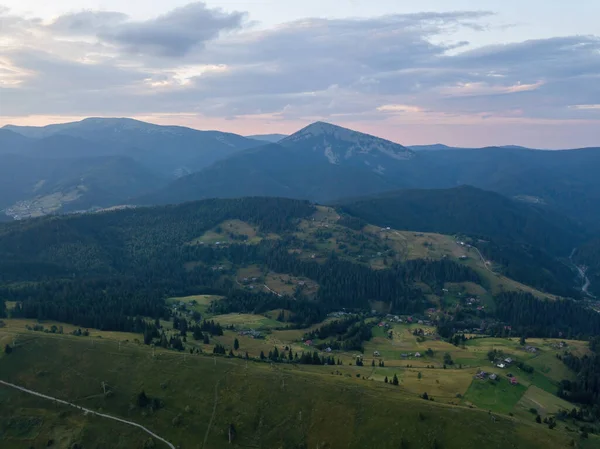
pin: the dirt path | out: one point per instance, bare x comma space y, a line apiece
272, 291
482, 259
86, 411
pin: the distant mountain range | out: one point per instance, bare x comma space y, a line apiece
441, 147
322, 162
163, 149
100, 162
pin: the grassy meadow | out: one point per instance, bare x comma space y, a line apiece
268, 405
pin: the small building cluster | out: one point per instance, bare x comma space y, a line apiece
250, 333
504, 363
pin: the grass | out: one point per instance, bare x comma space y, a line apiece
284, 284
247, 321
544, 402
497, 396
443, 385
17, 327
231, 231
280, 406
26, 421
198, 303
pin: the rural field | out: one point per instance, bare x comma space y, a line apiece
202, 396
268, 403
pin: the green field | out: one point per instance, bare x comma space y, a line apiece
247, 321
269, 406
544, 402
497, 396
198, 303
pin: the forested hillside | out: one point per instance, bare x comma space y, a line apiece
526, 240
103, 270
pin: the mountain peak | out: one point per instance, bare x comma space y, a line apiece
339, 144
324, 128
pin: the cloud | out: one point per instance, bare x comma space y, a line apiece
86, 23
171, 35
175, 33
199, 60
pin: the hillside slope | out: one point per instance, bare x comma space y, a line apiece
36, 186
524, 239
469, 210
202, 399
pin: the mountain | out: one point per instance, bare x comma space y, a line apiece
320, 162
36, 186
344, 146
324, 162
563, 180
11, 141
163, 149
529, 242
100, 162
469, 210
271, 138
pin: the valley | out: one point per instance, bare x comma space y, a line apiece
299, 225
260, 321
257, 294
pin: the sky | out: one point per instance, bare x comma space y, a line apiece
492, 72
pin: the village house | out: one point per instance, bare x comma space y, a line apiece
417, 354
493, 376
376, 354
514, 381
250, 333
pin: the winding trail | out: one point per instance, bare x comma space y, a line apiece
482, 259
86, 411
272, 291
